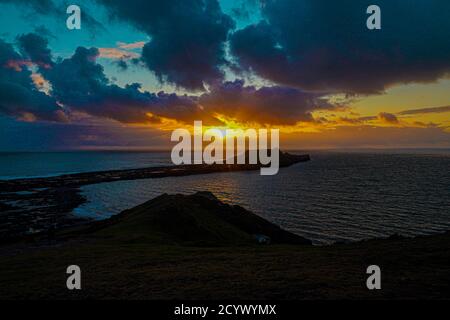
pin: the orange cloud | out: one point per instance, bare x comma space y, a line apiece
368, 136
130, 46
123, 51
17, 65
114, 53
40, 82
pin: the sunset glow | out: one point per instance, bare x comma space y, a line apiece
128, 84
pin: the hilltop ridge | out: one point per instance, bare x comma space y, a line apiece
198, 219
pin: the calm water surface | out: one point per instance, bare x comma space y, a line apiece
334, 197
15, 165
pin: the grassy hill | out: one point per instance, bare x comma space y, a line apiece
195, 247
198, 220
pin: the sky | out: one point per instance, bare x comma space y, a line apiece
139, 69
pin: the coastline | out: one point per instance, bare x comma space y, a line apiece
45, 204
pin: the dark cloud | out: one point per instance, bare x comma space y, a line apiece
426, 110
187, 38
266, 105
34, 47
367, 118
387, 117
426, 125
79, 83
18, 95
322, 46
384, 117
121, 64
347, 120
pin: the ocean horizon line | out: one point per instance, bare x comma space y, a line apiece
145, 150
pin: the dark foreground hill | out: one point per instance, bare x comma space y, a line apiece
195, 247
200, 220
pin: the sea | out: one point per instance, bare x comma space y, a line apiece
336, 197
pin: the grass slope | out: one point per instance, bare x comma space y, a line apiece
194, 247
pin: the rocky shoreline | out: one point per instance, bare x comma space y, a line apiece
34, 205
